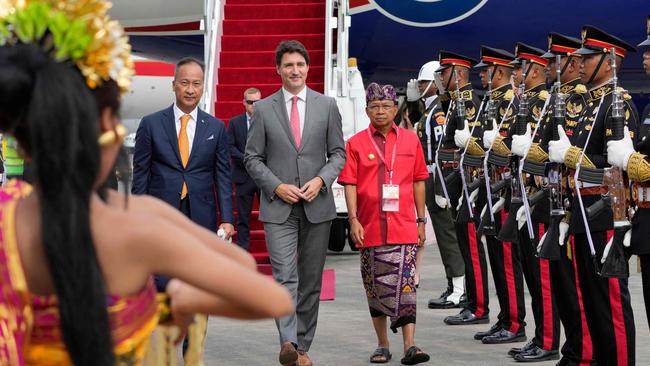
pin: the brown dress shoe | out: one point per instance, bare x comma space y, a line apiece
288, 354
303, 359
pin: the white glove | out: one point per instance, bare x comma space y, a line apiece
483, 240
498, 205
473, 195
490, 135
441, 201
521, 217
564, 229
606, 251
627, 238
619, 151
460, 202
558, 148
461, 137
412, 91
541, 240
521, 143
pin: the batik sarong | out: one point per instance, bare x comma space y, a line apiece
388, 277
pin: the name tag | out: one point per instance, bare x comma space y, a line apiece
390, 198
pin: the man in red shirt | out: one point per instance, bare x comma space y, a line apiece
384, 187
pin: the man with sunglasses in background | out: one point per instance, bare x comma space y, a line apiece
245, 187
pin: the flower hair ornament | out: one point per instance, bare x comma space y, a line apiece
75, 31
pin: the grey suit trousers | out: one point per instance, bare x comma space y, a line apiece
297, 249
443, 226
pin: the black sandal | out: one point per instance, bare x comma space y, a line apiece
414, 356
381, 355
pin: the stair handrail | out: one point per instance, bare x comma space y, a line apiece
212, 26
336, 76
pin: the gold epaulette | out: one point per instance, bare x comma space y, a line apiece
572, 157
543, 95
626, 95
509, 95
580, 89
500, 147
474, 149
638, 168
536, 153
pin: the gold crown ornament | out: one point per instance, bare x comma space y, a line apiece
76, 31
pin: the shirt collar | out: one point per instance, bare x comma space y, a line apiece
302, 95
429, 101
373, 130
178, 113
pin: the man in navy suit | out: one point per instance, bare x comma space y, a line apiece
245, 187
182, 156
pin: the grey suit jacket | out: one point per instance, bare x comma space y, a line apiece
272, 156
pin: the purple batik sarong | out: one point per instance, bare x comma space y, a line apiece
388, 277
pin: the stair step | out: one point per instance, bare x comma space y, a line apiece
272, 2
273, 26
269, 42
262, 58
277, 11
261, 75
228, 110
235, 92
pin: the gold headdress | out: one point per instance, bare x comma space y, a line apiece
79, 31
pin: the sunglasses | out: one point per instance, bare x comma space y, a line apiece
251, 102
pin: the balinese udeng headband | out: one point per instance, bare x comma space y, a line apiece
76, 31
380, 92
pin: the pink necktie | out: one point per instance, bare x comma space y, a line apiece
295, 120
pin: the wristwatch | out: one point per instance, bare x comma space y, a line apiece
421, 220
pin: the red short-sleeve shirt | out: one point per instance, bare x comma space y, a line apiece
368, 172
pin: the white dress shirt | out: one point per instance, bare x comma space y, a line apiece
302, 97
191, 125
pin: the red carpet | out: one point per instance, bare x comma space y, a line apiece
252, 30
328, 285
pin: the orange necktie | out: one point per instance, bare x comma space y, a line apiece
184, 147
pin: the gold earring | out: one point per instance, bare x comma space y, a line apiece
114, 136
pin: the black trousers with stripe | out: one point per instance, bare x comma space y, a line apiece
476, 280
505, 263
578, 346
538, 280
607, 305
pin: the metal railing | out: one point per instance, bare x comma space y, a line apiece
336, 64
211, 25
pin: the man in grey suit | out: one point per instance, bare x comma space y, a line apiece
294, 152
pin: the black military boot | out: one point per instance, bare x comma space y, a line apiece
441, 302
505, 336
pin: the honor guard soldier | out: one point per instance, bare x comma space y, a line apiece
430, 129
569, 94
606, 296
495, 72
634, 159
462, 112
544, 345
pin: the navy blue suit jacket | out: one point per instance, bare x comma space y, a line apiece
237, 134
158, 171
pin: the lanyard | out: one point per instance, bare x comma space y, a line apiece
381, 154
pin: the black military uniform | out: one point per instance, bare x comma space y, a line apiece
430, 128
577, 348
638, 168
536, 271
476, 281
606, 300
505, 261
